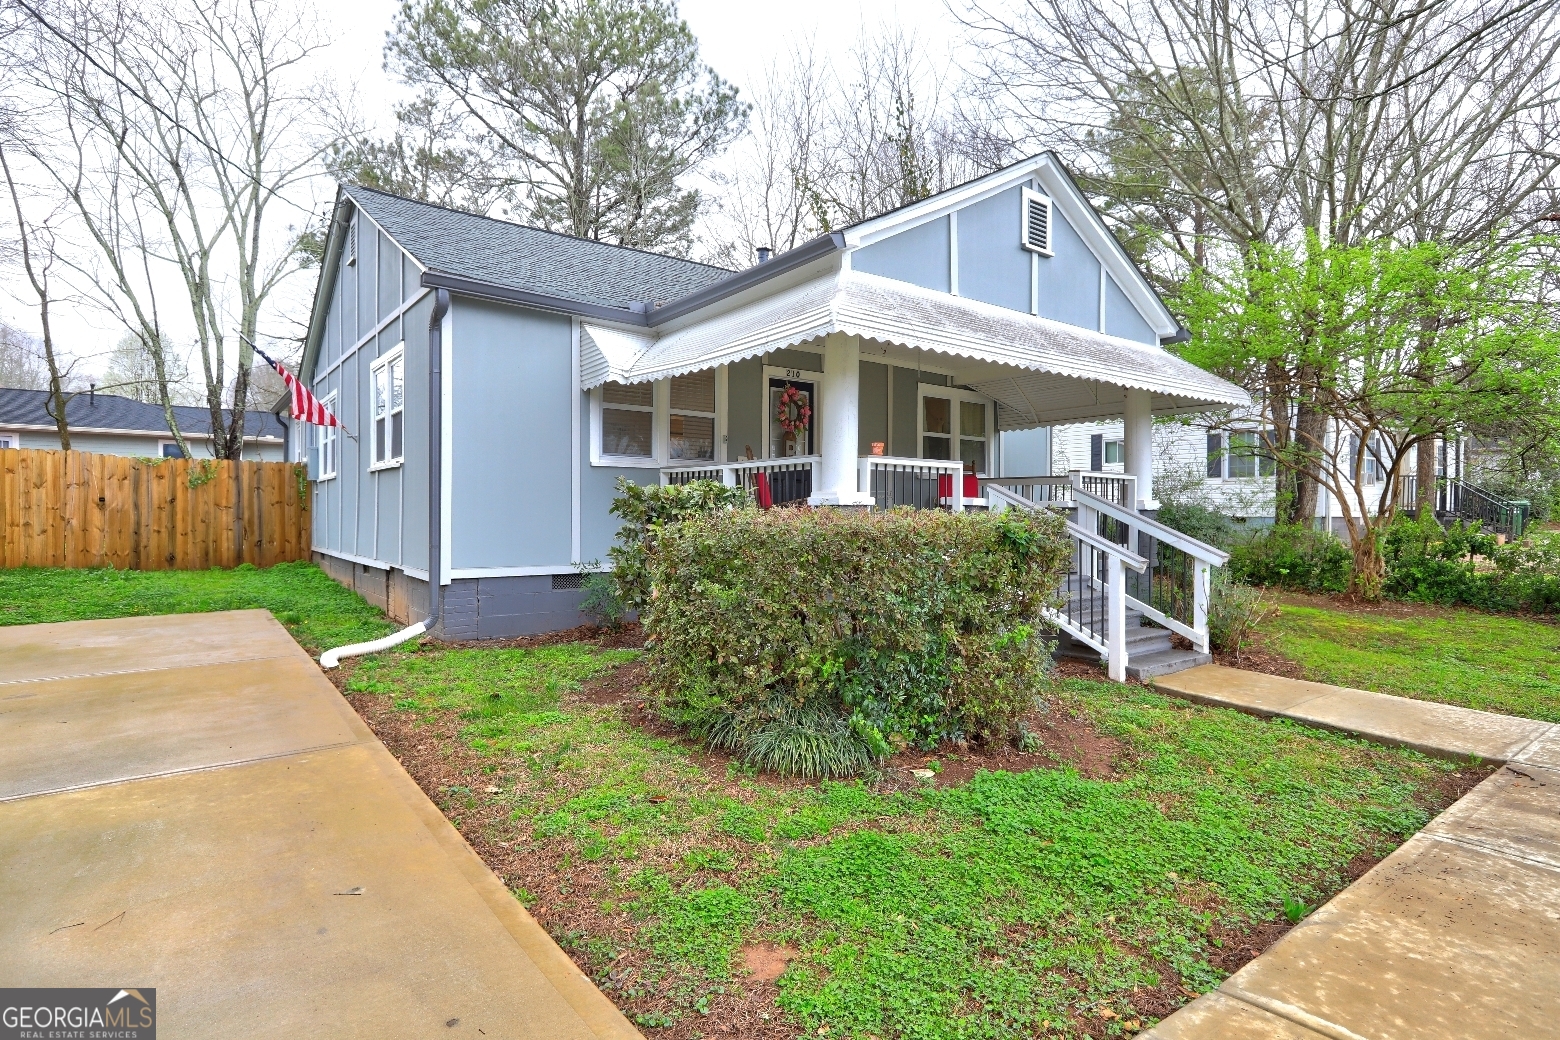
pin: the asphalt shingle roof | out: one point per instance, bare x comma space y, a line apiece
514, 256
112, 412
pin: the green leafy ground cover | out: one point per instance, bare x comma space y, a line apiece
1017, 903
318, 612
1505, 664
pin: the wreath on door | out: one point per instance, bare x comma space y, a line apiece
793, 412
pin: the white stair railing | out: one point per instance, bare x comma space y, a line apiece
1174, 587
1094, 608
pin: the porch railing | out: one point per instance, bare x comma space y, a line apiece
1093, 607
1053, 492
790, 480
920, 483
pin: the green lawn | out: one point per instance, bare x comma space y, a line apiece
1015, 904
1503, 664
318, 612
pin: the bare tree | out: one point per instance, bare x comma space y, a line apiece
39, 253
177, 134
21, 360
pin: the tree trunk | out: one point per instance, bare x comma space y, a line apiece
1370, 568
1425, 467
1310, 429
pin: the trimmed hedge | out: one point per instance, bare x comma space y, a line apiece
816, 642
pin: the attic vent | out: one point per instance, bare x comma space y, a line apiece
352, 242
1036, 234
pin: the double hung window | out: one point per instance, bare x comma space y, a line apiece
628, 420
388, 376
326, 441
692, 420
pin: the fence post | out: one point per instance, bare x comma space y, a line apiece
1116, 637
1202, 589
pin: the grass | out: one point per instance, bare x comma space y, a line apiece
317, 611
1447, 654
1014, 904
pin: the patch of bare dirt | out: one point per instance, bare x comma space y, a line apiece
766, 962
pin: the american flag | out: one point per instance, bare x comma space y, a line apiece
305, 405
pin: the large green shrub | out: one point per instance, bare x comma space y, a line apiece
814, 642
1291, 556
1462, 565
1198, 521
645, 510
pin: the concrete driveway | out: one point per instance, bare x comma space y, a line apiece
186, 803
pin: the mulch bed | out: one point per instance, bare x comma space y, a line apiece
566, 895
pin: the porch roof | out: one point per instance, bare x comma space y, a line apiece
1039, 370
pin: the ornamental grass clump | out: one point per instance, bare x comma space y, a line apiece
816, 643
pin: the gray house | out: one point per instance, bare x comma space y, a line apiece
112, 425
928, 350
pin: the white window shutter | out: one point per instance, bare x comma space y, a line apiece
1036, 231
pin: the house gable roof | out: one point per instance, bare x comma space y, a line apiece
1069, 199
110, 412
514, 256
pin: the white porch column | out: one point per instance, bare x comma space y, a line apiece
839, 403
1138, 446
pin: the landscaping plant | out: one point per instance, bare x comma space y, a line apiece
1292, 556
814, 642
647, 508
1234, 612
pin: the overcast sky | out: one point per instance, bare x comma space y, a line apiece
739, 40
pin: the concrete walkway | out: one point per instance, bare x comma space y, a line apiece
186, 803
1455, 935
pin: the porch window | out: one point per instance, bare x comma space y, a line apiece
1115, 453
692, 420
389, 403
627, 419
327, 441
955, 425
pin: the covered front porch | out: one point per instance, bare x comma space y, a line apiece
860, 391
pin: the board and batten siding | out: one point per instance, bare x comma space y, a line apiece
363, 515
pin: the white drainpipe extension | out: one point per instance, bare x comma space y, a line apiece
332, 658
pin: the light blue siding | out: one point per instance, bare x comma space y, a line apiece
1122, 318
512, 471
1026, 453
414, 474
918, 255
993, 266
1070, 280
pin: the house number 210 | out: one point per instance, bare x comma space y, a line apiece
793, 373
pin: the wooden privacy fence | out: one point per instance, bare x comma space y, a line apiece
78, 509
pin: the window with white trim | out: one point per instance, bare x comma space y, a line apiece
7, 440
955, 424
628, 420
388, 403
1035, 232
691, 425
169, 450
1238, 455
325, 438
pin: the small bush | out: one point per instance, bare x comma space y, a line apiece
1234, 612
1430, 564
602, 600
814, 642
645, 510
1201, 522
1292, 557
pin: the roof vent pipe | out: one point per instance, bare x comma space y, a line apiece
764, 253
332, 658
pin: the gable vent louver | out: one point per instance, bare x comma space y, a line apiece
1036, 235
352, 229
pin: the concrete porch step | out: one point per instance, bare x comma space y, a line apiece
1164, 662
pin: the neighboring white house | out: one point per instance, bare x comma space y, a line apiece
112, 425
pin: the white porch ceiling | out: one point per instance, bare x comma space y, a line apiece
1040, 371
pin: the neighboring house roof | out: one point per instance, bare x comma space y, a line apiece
90, 411
514, 256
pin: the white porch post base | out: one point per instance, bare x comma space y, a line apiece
1138, 446
839, 402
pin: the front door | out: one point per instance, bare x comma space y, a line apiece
791, 432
